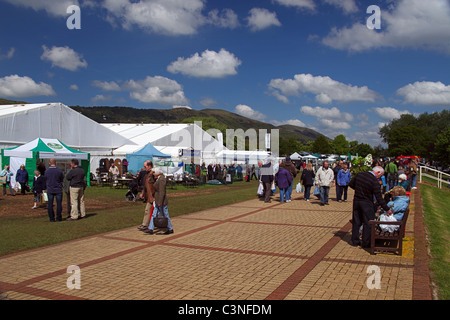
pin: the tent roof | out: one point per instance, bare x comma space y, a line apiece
295, 156
21, 123
181, 136
46, 148
149, 150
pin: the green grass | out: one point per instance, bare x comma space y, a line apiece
436, 204
19, 233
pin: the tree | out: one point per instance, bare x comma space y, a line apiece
340, 145
321, 145
410, 140
441, 151
363, 149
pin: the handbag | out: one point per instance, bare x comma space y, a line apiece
3, 179
159, 220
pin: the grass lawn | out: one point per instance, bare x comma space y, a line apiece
436, 204
106, 210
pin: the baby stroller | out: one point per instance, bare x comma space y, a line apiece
133, 191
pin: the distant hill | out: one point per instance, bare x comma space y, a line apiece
5, 101
223, 118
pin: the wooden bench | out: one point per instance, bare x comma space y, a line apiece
388, 237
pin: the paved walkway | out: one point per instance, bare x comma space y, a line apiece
249, 250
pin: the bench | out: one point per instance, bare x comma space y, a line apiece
388, 237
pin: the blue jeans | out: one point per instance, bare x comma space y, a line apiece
413, 181
51, 213
151, 226
289, 191
307, 192
324, 192
283, 194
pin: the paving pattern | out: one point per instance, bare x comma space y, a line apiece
246, 251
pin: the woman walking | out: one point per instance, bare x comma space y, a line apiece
307, 179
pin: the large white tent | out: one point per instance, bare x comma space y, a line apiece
183, 142
21, 123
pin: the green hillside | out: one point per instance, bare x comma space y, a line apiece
211, 118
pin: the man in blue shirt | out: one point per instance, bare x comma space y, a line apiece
54, 178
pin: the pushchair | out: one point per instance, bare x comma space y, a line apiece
133, 191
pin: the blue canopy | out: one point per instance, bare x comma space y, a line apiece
136, 159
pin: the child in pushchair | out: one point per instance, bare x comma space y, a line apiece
133, 191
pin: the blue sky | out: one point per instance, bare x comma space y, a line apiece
312, 63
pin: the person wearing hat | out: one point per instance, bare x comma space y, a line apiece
289, 166
403, 181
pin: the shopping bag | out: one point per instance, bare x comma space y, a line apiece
299, 188
316, 191
274, 187
44, 197
260, 189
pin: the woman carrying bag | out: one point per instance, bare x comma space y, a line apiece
307, 180
160, 203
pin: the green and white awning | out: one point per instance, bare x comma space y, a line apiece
46, 149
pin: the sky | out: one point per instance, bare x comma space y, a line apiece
335, 66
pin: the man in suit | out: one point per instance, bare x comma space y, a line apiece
367, 189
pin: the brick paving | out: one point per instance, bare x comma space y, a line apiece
246, 251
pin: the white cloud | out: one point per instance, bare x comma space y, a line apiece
348, 6
181, 107
227, 19
301, 4
389, 113
170, 17
107, 86
208, 102
8, 55
156, 89
248, 112
52, 7
260, 19
208, 64
426, 93
326, 89
335, 124
64, 57
292, 122
15, 86
325, 113
73, 87
414, 24
101, 97
173, 17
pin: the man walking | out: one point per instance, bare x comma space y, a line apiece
54, 178
366, 187
266, 179
324, 178
148, 194
392, 174
77, 181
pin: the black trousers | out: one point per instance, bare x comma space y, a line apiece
363, 212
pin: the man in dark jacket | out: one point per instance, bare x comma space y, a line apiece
54, 181
77, 182
266, 173
366, 187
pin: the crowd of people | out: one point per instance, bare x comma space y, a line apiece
49, 185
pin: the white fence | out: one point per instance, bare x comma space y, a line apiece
440, 176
